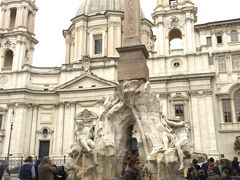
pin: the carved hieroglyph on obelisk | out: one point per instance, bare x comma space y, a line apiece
133, 55
131, 33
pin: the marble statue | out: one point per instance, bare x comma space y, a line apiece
136, 105
84, 136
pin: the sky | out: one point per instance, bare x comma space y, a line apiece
53, 16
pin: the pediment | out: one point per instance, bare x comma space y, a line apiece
86, 116
178, 98
86, 81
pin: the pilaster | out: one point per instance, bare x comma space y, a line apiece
60, 124
35, 110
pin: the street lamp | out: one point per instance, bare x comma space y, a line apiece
12, 118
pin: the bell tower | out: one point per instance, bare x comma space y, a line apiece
17, 38
174, 21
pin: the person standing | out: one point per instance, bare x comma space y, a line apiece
1, 170
226, 175
62, 175
192, 172
201, 175
46, 170
235, 163
36, 165
27, 171
133, 170
195, 164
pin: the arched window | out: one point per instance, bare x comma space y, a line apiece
234, 36
13, 17
237, 104
8, 59
219, 38
175, 42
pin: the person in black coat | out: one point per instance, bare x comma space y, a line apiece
195, 164
201, 175
235, 163
62, 175
133, 170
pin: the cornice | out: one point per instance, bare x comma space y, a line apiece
182, 76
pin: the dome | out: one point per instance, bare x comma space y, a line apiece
89, 7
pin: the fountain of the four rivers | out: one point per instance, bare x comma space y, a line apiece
132, 122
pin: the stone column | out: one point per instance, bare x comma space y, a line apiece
33, 23
111, 37
103, 44
16, 55
3, 12
190, 35
160, 37
196, 124
60, 124
67, 42
7, 133
7, 19
213, 149
18, 17
91, 44
21, 56
72, 123
77, 45
17, 143
25, 17
34, 130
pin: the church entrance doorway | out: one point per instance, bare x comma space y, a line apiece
43, 149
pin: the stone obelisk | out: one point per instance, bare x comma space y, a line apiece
133, 54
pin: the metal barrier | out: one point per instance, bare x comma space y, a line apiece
16, 162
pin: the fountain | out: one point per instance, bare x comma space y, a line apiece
131, 123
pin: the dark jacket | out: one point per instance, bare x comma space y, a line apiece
202, 177
205, 167
131, 175
235, 165
26, 171
192, 174
1, 171
213, 176
63, 175
46, 171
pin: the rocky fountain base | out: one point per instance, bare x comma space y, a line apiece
132, 123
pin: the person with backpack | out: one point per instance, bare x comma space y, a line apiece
27, 170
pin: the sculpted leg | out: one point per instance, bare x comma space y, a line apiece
181, 156
85, 145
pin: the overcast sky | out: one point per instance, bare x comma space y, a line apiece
54, 15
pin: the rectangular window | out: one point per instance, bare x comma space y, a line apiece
0, 121
209, 41
221, 63
236, 62
219, 39
179, 111
98, 44
227, 114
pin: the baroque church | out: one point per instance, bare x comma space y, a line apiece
198, 79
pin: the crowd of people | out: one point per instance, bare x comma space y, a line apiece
211, 170
214, 170
44, 170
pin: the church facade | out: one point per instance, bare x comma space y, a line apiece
194, 70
